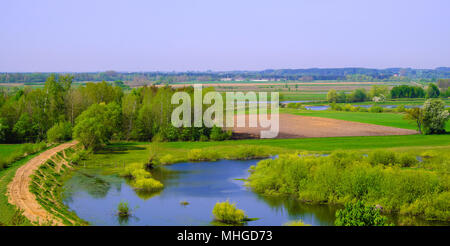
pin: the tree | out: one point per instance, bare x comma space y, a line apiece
378, 91
358, 95
415, 115
432, 91
434, 116
358, 214
341, 98
4, 128
97, 125
332, 96
25, 130
60, 132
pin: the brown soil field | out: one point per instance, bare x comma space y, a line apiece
296, 126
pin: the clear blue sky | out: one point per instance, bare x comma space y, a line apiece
181, 35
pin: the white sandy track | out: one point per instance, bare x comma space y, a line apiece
19, 193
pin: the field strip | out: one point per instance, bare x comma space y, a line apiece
297, 126
18, 190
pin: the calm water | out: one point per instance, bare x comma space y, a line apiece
94, 197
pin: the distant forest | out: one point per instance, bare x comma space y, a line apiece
339, 74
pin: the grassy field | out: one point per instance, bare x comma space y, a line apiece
384, 119
7, 149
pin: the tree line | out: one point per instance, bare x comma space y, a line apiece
95, 114
341, 74
380, 93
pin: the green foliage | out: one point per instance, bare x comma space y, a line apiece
405, 91
123, 210
376, 109
432, 91
131, 169
434, 116
296, 223
341, 177
21, 152
227, 213
147, 184
358, 214
96, 126
217, 134
332, 96
296, 106
358, 95
4, 130
202, 155
60, 132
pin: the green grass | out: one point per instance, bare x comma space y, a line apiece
7, 149
7, 210
301, 96
383, 119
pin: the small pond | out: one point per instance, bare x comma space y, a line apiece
94, 197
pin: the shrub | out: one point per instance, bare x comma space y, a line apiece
346, 176
358, 214
336, 107
129, 169
167, 159
217, 134
407, 160
60, 132
376, 109
363, 109
227, 213
382, 157
247, 152
400, 109
140, 173
296, 223
434, 116
123, 210
348, 107
148, 184
202, 155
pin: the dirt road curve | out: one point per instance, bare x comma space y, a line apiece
296, 126
19, 193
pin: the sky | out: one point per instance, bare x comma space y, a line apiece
221, 35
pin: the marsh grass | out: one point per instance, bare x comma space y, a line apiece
381, 178
296, 223
123, 209
148, 184
227, 213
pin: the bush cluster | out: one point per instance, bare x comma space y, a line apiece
227, 213
380, 178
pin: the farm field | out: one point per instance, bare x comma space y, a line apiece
301, 126
384, 119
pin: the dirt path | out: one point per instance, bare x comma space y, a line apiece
296, 126
19, 193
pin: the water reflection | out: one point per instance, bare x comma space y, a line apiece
94, 197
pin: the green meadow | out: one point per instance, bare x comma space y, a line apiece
7, 149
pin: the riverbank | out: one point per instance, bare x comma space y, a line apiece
19, 193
